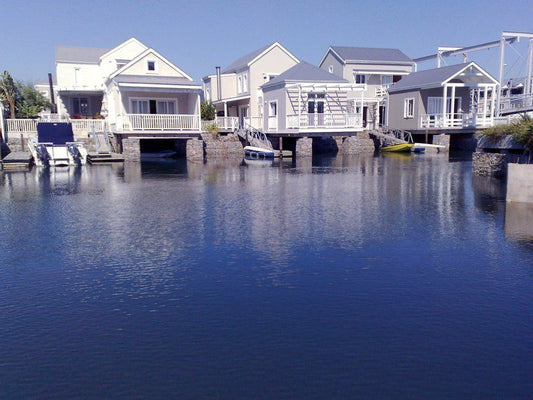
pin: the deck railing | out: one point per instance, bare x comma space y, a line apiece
88, 125
254, 122
21, 125
161, 122
325, 121
227, 123
273, 123
457, 120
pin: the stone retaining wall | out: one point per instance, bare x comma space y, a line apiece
195, 150
489, 164
222, 146
443, 140
360, 144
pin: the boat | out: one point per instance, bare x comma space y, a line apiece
398, 148
418, 149
55, 146
258, 152
156, 155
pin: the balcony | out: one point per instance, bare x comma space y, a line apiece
151, 123
455, 121
339, 121
79, 126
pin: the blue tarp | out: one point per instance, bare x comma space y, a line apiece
54, 132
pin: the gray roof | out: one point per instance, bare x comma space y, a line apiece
44, 81
371, 54
305, 72
244, 60
79, 54
154, 80
427, 78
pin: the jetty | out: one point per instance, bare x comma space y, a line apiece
17, 160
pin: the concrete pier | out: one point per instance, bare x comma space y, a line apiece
195, 150
131, 149
520, 183
304, 147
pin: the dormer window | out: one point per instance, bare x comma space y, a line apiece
150, 65
330, 69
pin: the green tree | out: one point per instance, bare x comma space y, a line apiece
30, 102
8, 93
207, 111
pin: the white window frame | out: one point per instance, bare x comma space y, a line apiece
356, 74
157, 99
245, 83
409, 114
438, 101
330, 68
147, 66
77, 75
239, 84
270, 108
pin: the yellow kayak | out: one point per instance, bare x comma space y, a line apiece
398, 148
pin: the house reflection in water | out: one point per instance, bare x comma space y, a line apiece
519, 221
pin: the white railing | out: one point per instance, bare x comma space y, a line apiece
457, 120
227, 123
254, 122
517, 102
21, 125
325, 121
161, 122
273, 123
88, 125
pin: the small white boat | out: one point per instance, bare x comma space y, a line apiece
258, 152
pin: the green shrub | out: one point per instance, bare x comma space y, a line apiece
521, 131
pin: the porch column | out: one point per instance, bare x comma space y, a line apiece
361, 109
444, 101
452, 108
198, 110
485, 93
492, 104
299, 105
377, 116
225, 109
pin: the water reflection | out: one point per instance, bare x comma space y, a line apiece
519, 221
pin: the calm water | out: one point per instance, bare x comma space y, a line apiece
363, 277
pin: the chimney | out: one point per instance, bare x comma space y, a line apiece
219, 84
52, 99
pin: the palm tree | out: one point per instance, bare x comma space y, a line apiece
8, 92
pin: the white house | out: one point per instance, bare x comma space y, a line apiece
377, 68
130, 88
236, 90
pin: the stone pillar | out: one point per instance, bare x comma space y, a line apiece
131, 149
520, 183
195, 149
304, 147
489, 164
358, 145
443, 140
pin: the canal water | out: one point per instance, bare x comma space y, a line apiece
347, 277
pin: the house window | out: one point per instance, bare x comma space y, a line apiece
77, 76
245, 83
208, 94
239, 84
150, 65
80, 106
273, 109
360, 78
149, 106
330, 69
386, 79
409, 108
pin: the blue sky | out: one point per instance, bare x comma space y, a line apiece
198, 35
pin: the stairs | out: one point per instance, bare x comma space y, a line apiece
393, 136
255, 138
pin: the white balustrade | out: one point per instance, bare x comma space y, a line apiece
273, 123
227, 123
325, 121
161, 122
21, 125
88, 125
457, 120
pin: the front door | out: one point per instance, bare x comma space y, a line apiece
315, 109
243, 113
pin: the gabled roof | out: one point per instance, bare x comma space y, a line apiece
123, 44
155, 80
368, 54
435, 77
305, 72
253, 56
142, 55
86, 55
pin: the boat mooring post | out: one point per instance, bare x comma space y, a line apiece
281, 147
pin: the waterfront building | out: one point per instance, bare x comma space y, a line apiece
377, 68
306, 99
130, 89
455, 97
236, 90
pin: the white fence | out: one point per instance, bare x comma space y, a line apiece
78, 125
161, 122
457, 120
325, 121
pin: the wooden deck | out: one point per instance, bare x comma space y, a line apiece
17, 160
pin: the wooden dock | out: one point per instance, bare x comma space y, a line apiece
103, 158
17, 160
